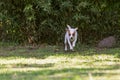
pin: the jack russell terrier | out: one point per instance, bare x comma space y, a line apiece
70, 38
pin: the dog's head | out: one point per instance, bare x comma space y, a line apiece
71, 32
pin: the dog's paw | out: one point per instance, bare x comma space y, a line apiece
73, 45
65, 50
72, 50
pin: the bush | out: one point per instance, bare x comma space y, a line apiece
44, 21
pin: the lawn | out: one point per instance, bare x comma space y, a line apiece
52, 63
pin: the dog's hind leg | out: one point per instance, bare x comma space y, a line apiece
66, 47
65, 42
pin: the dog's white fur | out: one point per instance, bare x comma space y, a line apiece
70, 37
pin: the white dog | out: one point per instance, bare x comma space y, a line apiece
70, 37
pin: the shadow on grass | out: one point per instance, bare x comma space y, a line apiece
43, 52
52, 65
27, 52
58, 74
47, 65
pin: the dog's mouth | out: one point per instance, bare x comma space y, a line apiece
72, 39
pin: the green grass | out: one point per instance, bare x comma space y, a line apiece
52, 63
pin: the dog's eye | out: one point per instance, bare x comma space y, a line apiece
69, 34
73, 34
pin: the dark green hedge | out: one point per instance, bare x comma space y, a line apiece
44, 21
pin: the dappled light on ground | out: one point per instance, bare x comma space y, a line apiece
45, 64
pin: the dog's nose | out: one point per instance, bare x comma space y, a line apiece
71, 37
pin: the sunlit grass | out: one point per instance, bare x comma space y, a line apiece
44, 64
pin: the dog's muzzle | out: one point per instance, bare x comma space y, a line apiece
71, 39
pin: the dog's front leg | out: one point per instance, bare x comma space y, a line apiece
71, 47
74, 42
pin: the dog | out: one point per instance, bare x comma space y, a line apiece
70, 38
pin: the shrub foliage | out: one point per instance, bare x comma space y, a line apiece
44, 21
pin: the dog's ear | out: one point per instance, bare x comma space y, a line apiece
67, 29
68, 26
76, 28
